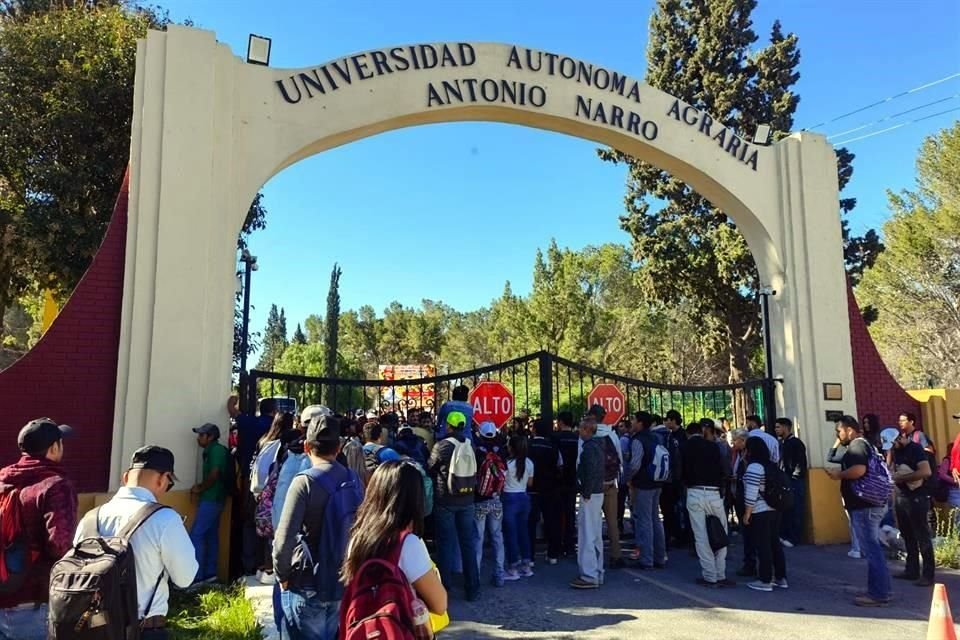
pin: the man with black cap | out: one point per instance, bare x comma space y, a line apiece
205, 532
311, 603
161, 545
36, 487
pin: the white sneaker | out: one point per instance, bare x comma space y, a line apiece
854, 554
265, 578
552, 561
781, 583
786, 543
510, 575
758, 585
526, 572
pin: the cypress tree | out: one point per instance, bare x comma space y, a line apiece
332, 327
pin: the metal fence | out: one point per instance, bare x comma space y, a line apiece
541, 382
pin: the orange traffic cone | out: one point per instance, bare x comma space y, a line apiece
941, 620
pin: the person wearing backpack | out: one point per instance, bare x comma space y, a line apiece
453, 466
161, 547
38, 512
590, 481
387, 566
516, 510
862, 467
762, 519
491, 477
311, 538
912, 474
376, 451
544, 493
649, 469
411, 445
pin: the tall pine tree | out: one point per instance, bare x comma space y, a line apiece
298, 336
332, 326
705, 53
274, 339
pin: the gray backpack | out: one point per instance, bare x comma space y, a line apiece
93, 588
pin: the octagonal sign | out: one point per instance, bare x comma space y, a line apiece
492, 402
611, 398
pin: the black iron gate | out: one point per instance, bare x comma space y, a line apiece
541, 382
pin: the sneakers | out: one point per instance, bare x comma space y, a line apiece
867, 601
511, 575
581, 583
854, 554
552, 561
634, 555
706, 583
786, 543
497, 581
781, 583
526, 571
759, 585
265, 577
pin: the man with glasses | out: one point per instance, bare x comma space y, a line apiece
161, 546
911, 469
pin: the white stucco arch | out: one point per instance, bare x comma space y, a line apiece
209, 130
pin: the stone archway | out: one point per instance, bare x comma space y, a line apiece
209, 130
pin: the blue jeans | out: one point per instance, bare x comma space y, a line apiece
792, 522
648, 528
516, 537
306, 617
456, 525
277, 607
26, 622
205, 536
866, 522
489, 519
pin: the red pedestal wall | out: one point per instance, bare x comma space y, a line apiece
877, 390
71, 373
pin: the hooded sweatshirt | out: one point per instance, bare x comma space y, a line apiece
49, 511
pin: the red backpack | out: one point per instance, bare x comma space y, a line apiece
492, 475
378, 602
16, 556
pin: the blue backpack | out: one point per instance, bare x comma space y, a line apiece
323, 563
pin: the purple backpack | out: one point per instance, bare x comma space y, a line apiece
876, 485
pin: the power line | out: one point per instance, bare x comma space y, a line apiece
896, 126
885, 100
891, 117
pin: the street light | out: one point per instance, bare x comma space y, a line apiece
762, 134
249, 266
258, 50
765, 293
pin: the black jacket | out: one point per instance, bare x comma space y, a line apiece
793, 458
568, 444
702, 463
545, 455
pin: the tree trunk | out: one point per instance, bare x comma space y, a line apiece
738, 352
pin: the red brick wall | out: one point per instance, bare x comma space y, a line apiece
877, 390
71, 374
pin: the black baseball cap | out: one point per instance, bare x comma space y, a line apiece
208, 429
154, 458
39, 435
597, 411
323, 429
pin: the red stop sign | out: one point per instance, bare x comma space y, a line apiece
611, 399
492, 402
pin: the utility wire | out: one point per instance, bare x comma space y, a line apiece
891, 117
896, 126
885, 100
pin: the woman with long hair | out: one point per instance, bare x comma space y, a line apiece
282, 423
762, 520
516, 510
391, 515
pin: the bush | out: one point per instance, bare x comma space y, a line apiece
213, 613
946, 545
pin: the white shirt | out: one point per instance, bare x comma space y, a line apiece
512, 485
414, 561
160, 544
773, 445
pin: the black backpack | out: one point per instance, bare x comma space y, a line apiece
777, 492
93, 588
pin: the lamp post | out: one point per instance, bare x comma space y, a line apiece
769, 409
249, 266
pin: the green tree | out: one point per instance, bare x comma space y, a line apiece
689, 252
916, 280
298, 337
256, 219
274, 339
314, 326
332, 324
66, 100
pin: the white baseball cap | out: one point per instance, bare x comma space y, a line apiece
372, 414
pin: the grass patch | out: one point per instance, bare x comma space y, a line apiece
946, 548
213, 613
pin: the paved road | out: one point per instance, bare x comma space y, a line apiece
667, 605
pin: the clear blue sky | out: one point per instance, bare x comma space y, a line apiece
385, 207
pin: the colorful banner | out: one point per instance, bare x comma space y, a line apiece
404, 396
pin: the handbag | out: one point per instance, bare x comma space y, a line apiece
716, 533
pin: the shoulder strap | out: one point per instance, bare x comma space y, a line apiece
144, 514
398, 548
153, 594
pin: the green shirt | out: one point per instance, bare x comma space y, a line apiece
215, 457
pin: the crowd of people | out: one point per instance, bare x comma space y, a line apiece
339, 513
